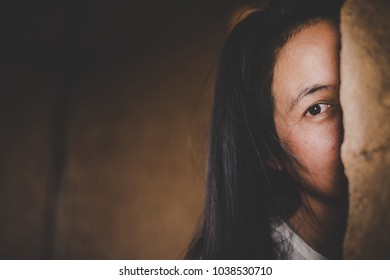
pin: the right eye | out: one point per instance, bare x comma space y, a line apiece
317, 109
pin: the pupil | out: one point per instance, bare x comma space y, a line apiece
315, 110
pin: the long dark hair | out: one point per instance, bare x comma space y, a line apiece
245, 195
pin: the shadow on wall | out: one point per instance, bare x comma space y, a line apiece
104, 113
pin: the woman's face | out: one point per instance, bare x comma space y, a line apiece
308, 117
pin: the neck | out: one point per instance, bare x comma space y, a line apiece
321, 224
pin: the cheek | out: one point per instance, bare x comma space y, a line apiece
317, 148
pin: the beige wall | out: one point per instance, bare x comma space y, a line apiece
365, 98
132, 186
104, 119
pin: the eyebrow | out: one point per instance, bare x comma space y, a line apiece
307, 91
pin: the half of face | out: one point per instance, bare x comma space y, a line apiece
308, 116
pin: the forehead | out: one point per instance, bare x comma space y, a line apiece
310, 57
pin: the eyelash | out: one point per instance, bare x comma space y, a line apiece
322, 106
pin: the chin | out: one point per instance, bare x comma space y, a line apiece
330, 190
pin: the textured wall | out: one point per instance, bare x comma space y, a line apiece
365, 98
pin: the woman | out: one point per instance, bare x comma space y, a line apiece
275, 186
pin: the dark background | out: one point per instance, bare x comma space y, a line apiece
104, 112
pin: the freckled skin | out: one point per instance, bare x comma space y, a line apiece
310, 58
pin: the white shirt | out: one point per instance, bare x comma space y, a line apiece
297, 249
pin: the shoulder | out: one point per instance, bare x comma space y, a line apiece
294, 246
